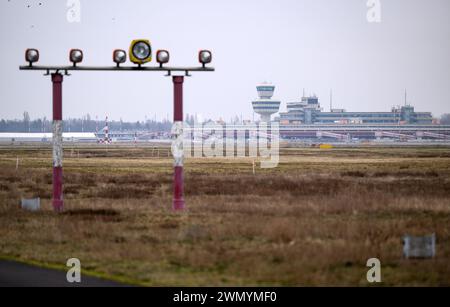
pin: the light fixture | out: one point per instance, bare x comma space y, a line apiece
140, 51
76, 56
204, 57
162, 57
119, 56
31, 56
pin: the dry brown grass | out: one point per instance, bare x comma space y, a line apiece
314, 220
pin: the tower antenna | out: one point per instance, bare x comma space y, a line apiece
406, 95
331, 100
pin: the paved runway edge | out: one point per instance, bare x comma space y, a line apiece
17, 274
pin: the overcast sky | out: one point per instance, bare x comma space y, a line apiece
311, 44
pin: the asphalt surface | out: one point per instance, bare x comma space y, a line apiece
14, 274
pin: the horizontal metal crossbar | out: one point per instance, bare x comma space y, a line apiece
115, 68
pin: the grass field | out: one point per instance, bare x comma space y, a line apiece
313, 220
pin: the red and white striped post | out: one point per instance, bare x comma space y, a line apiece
57, 201
177, 146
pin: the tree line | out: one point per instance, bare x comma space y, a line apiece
84, 124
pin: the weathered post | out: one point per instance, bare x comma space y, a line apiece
177, 145
57, 201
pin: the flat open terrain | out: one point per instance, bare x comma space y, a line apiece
313, 220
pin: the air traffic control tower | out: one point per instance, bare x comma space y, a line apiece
264, 105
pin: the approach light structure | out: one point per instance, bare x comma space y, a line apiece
140, 52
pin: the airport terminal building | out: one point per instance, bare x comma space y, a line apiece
308, 111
